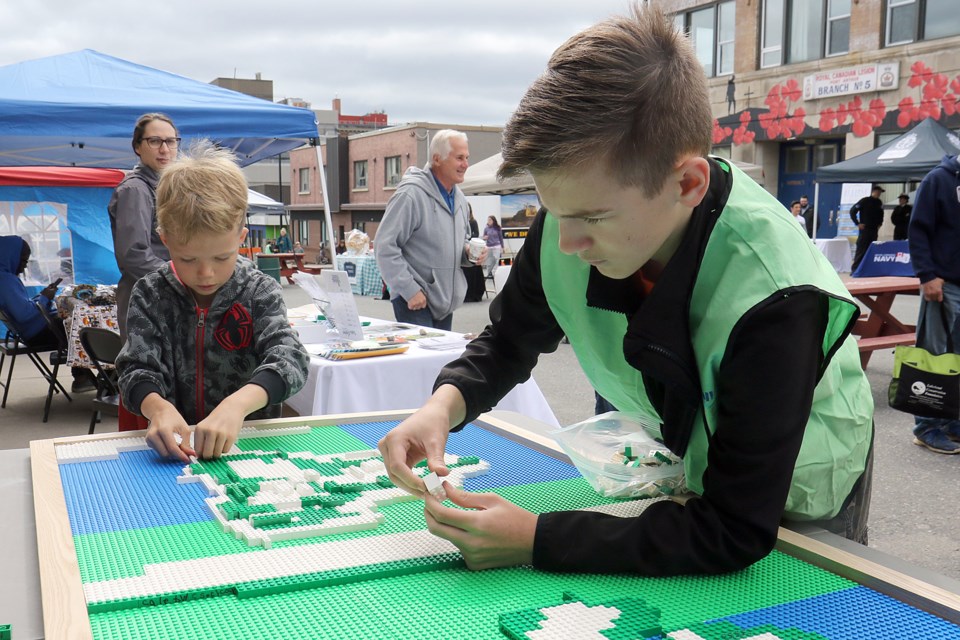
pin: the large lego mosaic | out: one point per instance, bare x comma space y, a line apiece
300, 534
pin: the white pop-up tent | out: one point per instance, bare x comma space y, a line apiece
481, 178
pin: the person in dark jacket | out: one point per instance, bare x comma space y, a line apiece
690, 296
22, 311
867, 214
901, 217
935, 253
132, 208
208, 341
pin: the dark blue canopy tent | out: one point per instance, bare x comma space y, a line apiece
79, 109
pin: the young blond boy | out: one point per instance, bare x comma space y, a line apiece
208, 339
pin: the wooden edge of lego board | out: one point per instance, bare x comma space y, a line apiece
64, 606
61, 590
912, 591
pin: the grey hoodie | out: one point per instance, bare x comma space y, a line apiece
421, 246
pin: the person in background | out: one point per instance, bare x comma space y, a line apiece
132, 207
208, 341
297, 247
493, 234
476, 287
19, 307
474, 225
901, 217
797, 211
867, 214
806, 210
422, 241
283, 244
341, 246
688, 297
934, 237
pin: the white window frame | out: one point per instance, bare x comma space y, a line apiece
831, 22
303, 177
360, 174
682, 22
392, 174
776, 49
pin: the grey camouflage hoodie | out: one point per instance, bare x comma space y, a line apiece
421, 246
196, 357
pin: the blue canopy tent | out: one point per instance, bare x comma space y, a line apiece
79, 109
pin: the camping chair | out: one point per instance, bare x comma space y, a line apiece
57, 357
102, 347
14, 345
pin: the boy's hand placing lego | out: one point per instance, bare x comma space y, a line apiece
216, 434
488, 530
168, 433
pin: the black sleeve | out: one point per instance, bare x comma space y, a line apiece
854, 212
521, 328
765, 390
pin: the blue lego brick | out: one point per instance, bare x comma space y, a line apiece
840, 616
131, 492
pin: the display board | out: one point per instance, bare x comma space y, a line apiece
301, 535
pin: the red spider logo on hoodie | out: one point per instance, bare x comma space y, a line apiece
235, 330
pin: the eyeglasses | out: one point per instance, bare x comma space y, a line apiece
154, 143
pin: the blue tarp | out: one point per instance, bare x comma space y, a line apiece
79, 109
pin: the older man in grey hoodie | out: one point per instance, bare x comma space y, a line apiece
423, 239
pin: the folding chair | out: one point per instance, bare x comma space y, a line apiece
57, 357
102, 347
14, 345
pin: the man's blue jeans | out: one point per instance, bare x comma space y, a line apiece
932, 336
422, 317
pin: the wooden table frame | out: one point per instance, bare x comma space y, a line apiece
65, 610
880, 329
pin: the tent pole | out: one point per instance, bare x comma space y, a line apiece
816, 208
326, 204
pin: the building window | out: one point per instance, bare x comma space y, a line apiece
911, 20
360, 174
838, 27
712, 30
304, 177
393, 170
803, 30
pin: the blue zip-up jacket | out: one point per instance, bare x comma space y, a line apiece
14, 299
935, 224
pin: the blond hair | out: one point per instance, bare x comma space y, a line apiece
201, 191
628, 92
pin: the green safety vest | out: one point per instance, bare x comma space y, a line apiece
753, 251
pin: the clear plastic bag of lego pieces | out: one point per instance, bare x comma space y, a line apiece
357, 242
621, 455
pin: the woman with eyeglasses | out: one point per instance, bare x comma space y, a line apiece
132, 208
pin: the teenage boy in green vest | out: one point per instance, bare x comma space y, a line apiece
690, 295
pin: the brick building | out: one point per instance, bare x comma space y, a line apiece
798, 84
362, 173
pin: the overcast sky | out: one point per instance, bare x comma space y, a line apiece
447, 62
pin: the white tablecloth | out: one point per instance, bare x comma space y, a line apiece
837, 251
397, 382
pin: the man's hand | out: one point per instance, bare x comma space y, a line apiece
417, 302
422, 436
50, 290
933, 290
488, 530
